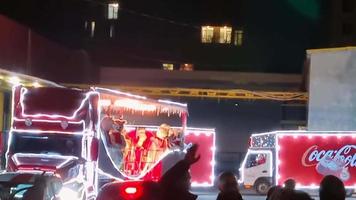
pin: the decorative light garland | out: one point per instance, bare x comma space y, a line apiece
263, 141
135, 103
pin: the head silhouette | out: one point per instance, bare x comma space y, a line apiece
300, 195
332, 188
227, 181
272, 190
151, 191
289, 184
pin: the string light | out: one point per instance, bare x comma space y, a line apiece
135, 103
263, 141
14, 80
36, 84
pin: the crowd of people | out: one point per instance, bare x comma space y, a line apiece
331, 188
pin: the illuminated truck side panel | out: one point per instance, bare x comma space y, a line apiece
202, 172
308, 157
54, 109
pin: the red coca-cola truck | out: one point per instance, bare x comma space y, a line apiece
89, 137
305, 156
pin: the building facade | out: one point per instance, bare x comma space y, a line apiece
341, 24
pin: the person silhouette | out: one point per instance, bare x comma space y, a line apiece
272, 190
36, 192
228, 187
332, 188
290, 184
175, 183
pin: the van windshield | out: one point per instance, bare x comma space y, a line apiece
53, 144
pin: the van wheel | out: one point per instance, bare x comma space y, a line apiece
262, 186
349, 192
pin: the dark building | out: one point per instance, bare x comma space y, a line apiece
26, 51
238, 35
341, 23
234, 35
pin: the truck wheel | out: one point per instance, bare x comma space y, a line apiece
349, 192
262, 187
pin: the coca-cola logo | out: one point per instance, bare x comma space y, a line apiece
313, 155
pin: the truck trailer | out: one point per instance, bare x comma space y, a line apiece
305, 156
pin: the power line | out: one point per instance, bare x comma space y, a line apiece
133, 12
159, 18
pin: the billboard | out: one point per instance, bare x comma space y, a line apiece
307, 158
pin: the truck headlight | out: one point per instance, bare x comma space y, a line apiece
69, 194
71, 191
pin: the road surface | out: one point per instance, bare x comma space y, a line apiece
212, 196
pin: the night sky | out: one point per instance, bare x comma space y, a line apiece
277, 32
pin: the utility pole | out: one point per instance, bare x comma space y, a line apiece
29, 52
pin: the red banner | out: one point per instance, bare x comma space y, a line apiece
307, 158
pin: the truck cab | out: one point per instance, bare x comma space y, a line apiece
54, 130
256, 170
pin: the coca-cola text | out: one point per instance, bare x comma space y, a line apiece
313, 155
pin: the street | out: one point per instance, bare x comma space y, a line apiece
212, 196
245, 197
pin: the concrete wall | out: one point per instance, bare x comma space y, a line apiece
332, 90
200, 79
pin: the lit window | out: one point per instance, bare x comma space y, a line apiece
225, 35
238, 37
186, 67
112, 30
168, 66
207, 34
113, 10
86, 25
92, 29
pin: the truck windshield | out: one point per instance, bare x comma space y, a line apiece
254, 160
55, 144
17, 190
